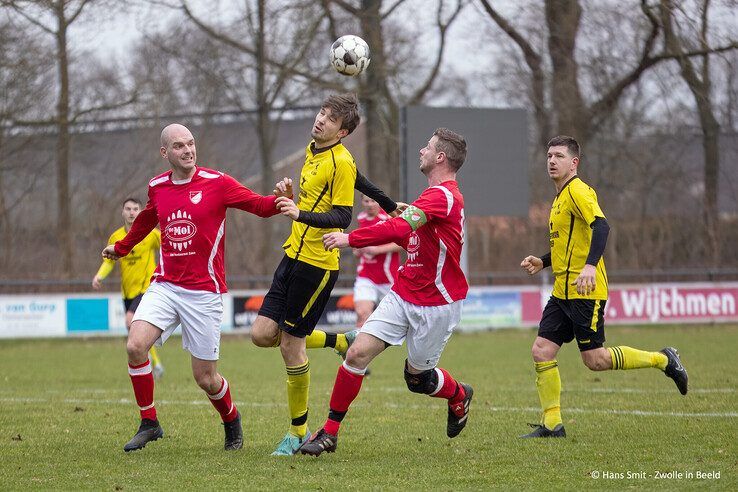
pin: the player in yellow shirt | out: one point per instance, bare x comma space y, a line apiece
304, 279
136, 270
578, 233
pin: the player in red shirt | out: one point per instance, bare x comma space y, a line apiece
189, 203
378, 265
424, 305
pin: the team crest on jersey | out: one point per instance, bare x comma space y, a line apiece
413, 245
195, 196
180, 229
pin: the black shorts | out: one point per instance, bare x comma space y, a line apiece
298, 296
563, 320
132, 304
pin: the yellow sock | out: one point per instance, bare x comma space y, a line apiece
341, 343
629, 358
316, 339
548, 382
321, 339
298, 387
154, 356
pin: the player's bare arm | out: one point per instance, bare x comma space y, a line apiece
109, 253
335, 240
284, 188
532, 264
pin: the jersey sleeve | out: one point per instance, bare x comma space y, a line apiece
431, 204
238, 196
157, 238
343, 184
105, 268
585, 203
142, 226
107, 265
390, 231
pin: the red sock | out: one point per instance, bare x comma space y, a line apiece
143, 388
448, 388
223, 403
345, 390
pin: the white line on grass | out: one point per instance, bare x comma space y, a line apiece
401, 389
126, 401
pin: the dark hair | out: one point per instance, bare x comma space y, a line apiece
569, 142
346, 107
134, 200
453, 145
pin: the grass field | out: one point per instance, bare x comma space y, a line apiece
67, 410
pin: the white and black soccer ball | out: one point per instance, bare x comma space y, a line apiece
350, 55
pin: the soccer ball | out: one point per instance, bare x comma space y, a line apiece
350, 55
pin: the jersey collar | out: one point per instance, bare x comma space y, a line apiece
314, 150
183, 181
567, 184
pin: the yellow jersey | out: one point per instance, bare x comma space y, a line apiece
327, 179
572, 213
137, 267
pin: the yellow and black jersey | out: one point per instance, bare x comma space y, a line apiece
572, 214
326, 181
137, 267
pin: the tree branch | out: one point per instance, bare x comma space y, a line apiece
391, 9
18, 9
248, 49
104, 107
442, 29
534, 62
74, 16
600, 109
345, 6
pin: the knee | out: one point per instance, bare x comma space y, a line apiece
137, 350
208, 382
544, 350
357, 356
538, 353
423, 383
261, 338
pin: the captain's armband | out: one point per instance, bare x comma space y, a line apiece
414, 216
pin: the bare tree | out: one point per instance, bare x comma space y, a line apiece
24, 74
568, 111
54, 17
698, 79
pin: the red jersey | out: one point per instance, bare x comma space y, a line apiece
191, 215
431, 231
380, 269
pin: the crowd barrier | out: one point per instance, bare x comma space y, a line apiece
60, 315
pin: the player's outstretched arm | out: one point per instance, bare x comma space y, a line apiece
141, 227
